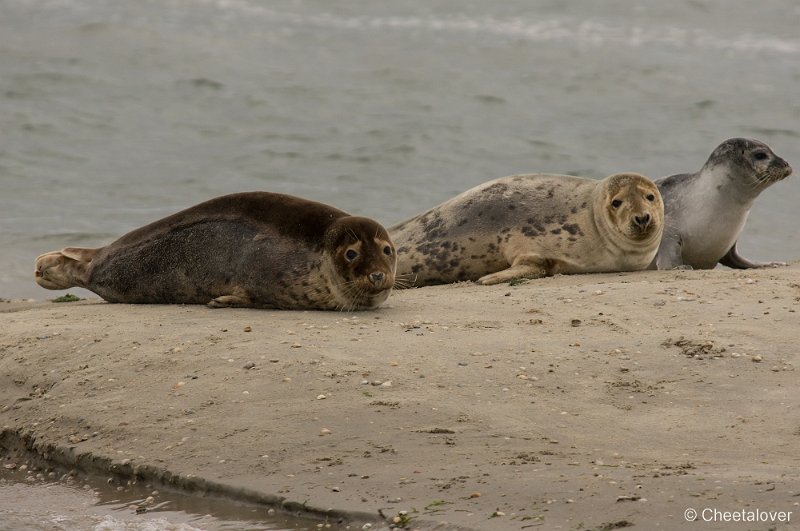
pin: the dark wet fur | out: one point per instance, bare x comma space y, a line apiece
265, 245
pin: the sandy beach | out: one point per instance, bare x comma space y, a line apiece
573, 402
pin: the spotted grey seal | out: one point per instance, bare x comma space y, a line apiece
254, 249
706, 211
529, 226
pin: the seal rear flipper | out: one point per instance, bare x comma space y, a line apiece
526, 266
64, 269
734, 260
231, 301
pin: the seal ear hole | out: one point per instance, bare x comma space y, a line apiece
616, 203
350, 255
650, 197
387, 251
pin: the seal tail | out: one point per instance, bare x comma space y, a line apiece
64, 269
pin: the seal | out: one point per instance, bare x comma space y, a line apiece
253, 249
529, 226
706, 211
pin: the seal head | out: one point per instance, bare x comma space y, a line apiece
630, 204
361, 263
749, 165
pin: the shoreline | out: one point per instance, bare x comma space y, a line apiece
589, 400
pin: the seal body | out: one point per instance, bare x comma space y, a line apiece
254, 249
706, 211
529, 226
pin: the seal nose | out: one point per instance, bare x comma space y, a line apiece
377, 278
642, 220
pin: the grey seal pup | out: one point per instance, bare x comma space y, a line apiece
529, 226
706, 211
253, 249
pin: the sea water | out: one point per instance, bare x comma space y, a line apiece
114, 114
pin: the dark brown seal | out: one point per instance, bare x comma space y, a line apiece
706, 211
529, 226
255, 249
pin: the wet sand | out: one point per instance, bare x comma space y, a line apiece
591, 402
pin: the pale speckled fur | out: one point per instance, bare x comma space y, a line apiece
528, 226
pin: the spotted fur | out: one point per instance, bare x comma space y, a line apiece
528, 226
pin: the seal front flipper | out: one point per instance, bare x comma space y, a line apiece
670, 253
524, 266
734, 260
65, 268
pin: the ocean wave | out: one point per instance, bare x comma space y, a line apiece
586, 32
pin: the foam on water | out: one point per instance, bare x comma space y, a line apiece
548, 30
110, 523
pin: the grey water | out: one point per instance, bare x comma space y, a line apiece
34, 501
116, 113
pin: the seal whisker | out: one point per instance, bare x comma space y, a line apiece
353, 235
405, 281
355, 294
352, 294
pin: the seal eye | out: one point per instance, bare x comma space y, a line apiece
760, 155
350, 255
650, 197
616, 203
387, 251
